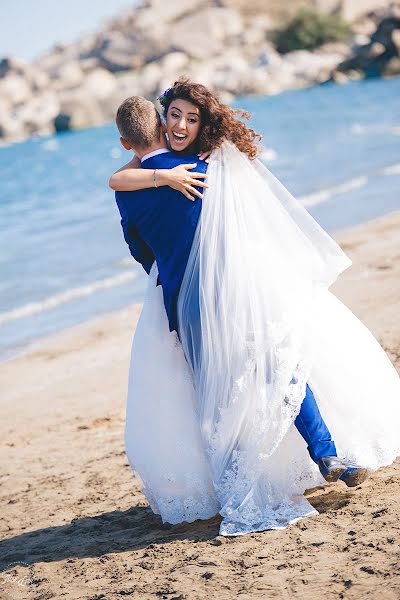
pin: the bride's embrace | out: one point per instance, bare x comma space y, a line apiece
250, 381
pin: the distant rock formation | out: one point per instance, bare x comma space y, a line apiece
225, 44
380, 55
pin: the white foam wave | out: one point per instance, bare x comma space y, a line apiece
391, 170
361, 129
269, 154
328, 193
33, 308
51, 145
115, 152
125, 262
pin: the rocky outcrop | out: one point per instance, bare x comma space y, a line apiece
221, 43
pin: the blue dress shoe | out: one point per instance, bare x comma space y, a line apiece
333, 468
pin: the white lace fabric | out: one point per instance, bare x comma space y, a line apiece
162, 438
220, 437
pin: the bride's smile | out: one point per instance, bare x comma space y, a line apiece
183, 124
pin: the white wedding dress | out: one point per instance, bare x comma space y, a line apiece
216, 434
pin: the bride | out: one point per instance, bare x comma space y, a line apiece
265, 356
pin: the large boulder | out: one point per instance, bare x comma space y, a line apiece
392, 67
165, 12
206, 32
92, 103
115, 52
173, 63
173, 66
200, 72
313, 67
120, 49
396, 39
38, 114
19, 77
281, 75
256, 31
126, 85
39, 80
78, 109
11, 129
89, 64
50, 63
69, 75
149, 79
15, 89
11, 64
234, 74
354, 9
99, 83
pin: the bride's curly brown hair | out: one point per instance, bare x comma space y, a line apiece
218, 121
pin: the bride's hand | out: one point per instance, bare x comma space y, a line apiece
181, 178
205, 156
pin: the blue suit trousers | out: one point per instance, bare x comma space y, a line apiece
313, 429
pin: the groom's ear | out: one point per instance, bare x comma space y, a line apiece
125, 143
163, 127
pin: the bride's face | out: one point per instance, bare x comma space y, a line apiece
183, 124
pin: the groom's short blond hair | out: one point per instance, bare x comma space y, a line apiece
138, 122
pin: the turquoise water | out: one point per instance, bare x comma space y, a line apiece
62, 255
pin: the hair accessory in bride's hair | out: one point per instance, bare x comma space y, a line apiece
163, 97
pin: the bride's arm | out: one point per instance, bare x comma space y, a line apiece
132, 177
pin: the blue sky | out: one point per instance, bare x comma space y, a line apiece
30, 27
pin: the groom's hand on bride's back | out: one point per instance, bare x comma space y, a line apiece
183, 179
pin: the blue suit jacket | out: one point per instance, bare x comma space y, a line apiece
159, 224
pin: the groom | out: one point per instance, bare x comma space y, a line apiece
159, 224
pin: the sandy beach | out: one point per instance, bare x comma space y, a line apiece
75, 525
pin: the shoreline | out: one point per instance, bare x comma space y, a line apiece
76, 524
95, 321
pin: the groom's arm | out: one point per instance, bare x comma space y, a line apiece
139, 249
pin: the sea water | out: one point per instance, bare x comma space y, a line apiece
63, 258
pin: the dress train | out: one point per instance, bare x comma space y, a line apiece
354, 383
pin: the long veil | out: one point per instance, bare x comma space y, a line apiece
255, 315
258, 269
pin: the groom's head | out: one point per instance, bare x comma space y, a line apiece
140, 126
